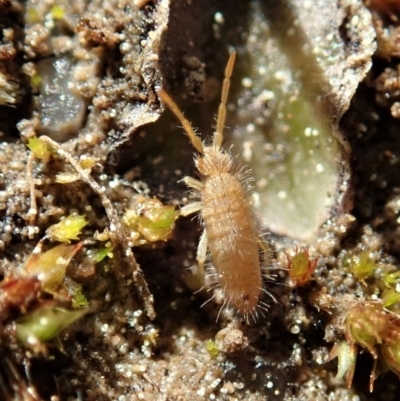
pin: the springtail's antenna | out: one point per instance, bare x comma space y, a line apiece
196, 141
218, 134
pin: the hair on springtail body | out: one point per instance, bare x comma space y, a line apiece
230, 231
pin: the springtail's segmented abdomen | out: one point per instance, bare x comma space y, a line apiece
233, 241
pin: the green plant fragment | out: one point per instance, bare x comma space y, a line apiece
373, 327
212, 348
67, 229
392, 278
364, 324
391, 353
102, 253
362, 266
57, 12
45, 323
157, 224
78, 298
390, 297
36, 80
151, 221
50, 266
39, 149
301, 266
87, 163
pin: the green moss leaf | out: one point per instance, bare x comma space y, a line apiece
50, 266
45, 323
158, 223
67, 229
39, 149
